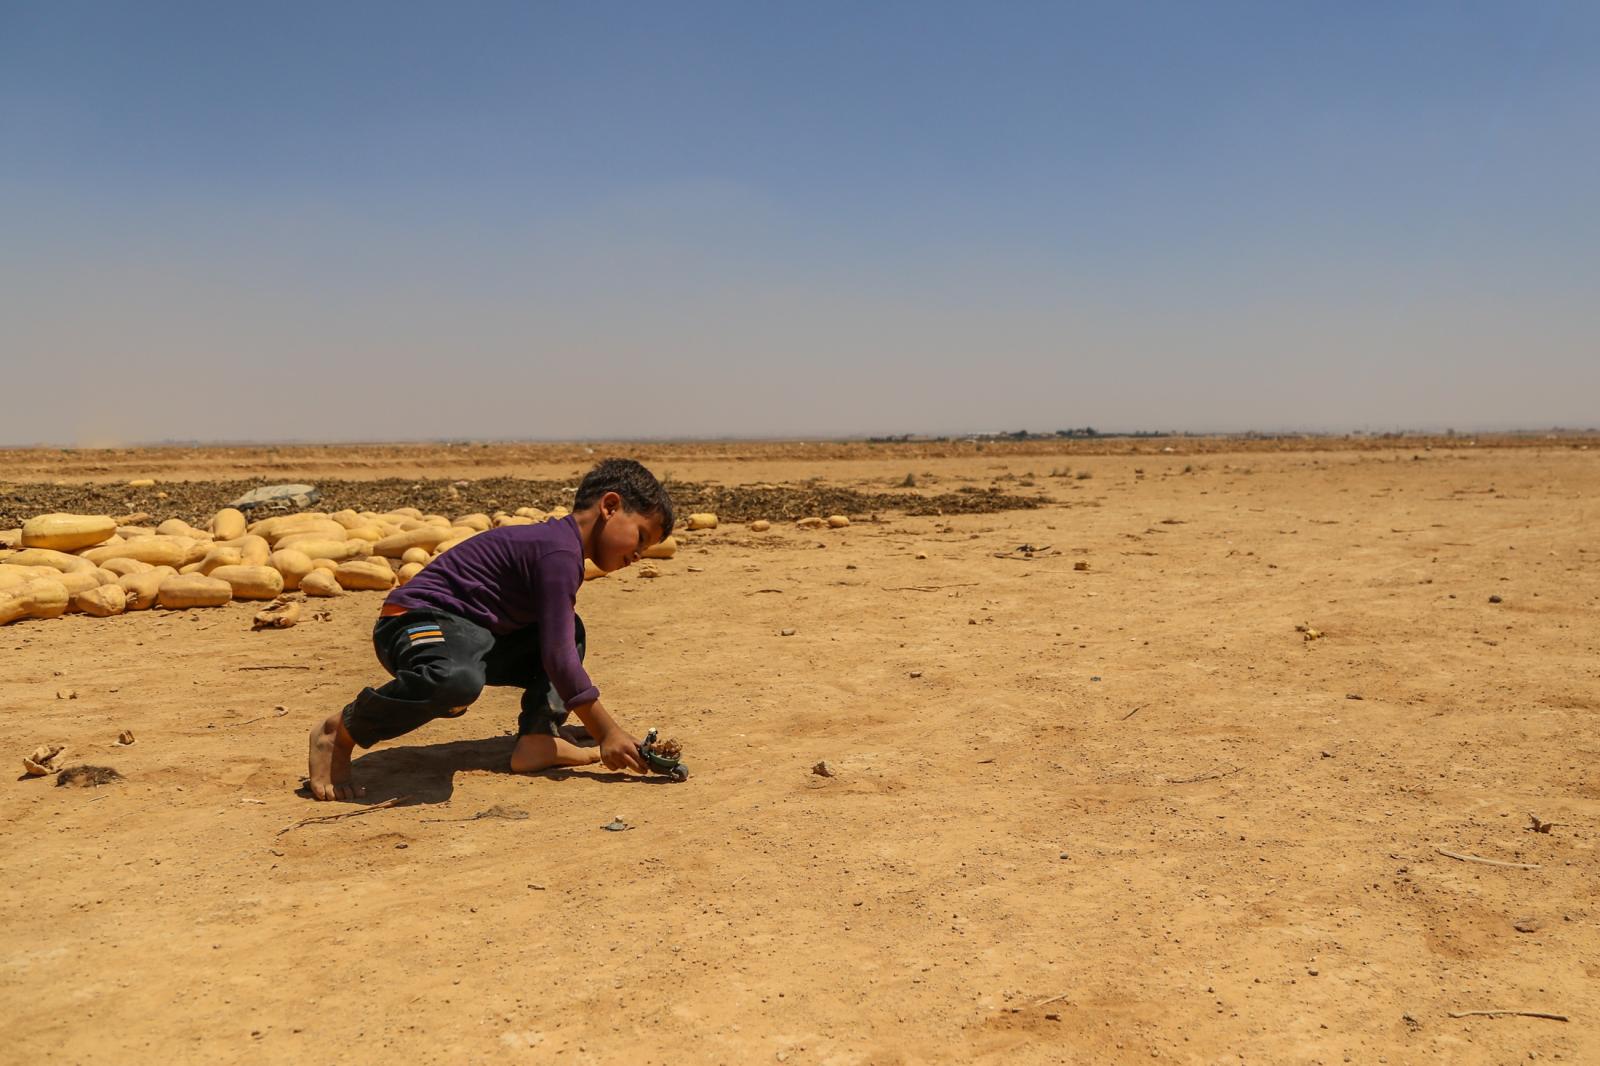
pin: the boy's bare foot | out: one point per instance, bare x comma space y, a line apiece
328, 768
537, 752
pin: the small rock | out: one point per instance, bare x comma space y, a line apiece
785, 632
1527, 925
916, 673
44, 760
922, 555
648, 571
616, 825
125, 737
66, 693
1080, 565
1495, 599
401, 846
824, 769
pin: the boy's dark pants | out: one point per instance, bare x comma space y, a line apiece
440, 664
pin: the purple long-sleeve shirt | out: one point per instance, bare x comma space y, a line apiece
510, 578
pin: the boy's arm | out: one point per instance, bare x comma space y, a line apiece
618, 749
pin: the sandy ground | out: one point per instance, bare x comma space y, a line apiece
1120, 814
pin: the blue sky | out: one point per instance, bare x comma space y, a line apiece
393, 220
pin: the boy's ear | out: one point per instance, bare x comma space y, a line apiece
610, 504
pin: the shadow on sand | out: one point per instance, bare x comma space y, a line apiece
426, 772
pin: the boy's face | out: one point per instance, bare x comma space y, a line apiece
620, 535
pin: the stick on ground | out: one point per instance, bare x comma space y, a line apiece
1209, 775
1507, 1013
1487, 862
395, 802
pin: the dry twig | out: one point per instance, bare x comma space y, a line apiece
395, 802
1209, 775
275, 667
277, 712
1487, 862
928, 588
1507, 1013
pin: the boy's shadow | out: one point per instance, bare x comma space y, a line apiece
426, 772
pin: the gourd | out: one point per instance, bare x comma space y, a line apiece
54, 560
703, 520
253, 548
16, 576
193, 590
364, 574
371, 531
337, 550
219, 555
333, 531
123, 567
320, 583
67, 532
760, 525
476, 521
275, 529
395, 546
157, 551
142, 588
228, 524
409, 571
665, 550
837, 521
251, 582
177, 527
40, 599
415, 555
292, 564
103, 601
79, 580
445, 546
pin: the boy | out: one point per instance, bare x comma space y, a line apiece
498, 609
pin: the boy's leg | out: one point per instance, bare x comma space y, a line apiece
437, 662
517, 660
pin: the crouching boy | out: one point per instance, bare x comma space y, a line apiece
499, 609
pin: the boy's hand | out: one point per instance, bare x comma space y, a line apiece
620, 751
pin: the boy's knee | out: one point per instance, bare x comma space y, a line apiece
454, 687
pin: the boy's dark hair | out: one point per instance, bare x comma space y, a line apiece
640, 491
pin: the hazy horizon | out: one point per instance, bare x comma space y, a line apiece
405, 221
